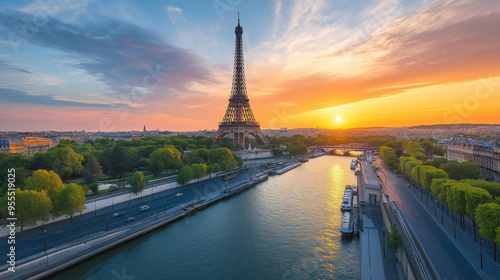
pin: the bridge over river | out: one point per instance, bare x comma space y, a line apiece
343, 148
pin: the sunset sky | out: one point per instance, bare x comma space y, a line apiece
120, 65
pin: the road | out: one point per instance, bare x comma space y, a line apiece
32, 241
447, 259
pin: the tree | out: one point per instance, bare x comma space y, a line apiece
94, 188
31, 206
92, 171
137, 182
277, 152
409, 166
491, 187
436, 189
392, 159
456, 200
12, 161
48, 181
402, 162
71, 199
461, 170
213, 168
65, 161
488, 219
238, 160
429, 173
395, 240
185, 175
474, 197
199, 170
119, 161
164, 158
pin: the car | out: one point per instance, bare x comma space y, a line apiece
130, 219
362, 203
144, 207
119, 214
178, 194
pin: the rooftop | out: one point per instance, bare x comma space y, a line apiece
369, 177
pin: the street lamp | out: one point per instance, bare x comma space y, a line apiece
383, 240
435, 202
45, 242
442, 210
481, 250
454, 228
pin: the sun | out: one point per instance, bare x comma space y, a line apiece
338, 119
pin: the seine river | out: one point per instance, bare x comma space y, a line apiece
285, 228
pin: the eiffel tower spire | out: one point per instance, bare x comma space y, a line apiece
239, 120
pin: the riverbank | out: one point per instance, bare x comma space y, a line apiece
43, 265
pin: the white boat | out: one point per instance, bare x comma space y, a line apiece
287, 168
346, 228
346, 202
353, 164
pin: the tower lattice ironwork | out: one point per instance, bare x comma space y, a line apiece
239, 120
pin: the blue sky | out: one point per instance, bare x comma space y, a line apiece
68, 64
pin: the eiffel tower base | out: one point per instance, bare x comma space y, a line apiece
239, 132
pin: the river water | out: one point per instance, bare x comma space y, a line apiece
285, 228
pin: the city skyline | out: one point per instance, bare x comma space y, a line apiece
99, 66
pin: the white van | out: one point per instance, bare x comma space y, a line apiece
144, 208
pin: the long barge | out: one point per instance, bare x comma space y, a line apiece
287, 168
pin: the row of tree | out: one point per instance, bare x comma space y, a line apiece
44, 193
465, 198
204, 162
454, 184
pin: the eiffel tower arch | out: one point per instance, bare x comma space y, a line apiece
239, 121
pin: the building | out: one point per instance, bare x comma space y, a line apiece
26, 146
484, 152
370, 184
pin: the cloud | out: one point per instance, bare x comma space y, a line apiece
4, 65
175, 14
121, 55
443, 43
17, 96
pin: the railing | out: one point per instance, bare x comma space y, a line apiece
422, 261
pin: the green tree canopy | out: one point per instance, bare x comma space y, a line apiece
461, 170
31, 207
395, 240
118, 161
92, 172
11, 161
436, 189
456, 198
199, 170
474, 197
409, 166
48, 181
491, 187
185, 175
65, 161
488, 218
137, 182
71, 199
164, 158
427, 173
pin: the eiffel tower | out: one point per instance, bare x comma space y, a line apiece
239, 121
